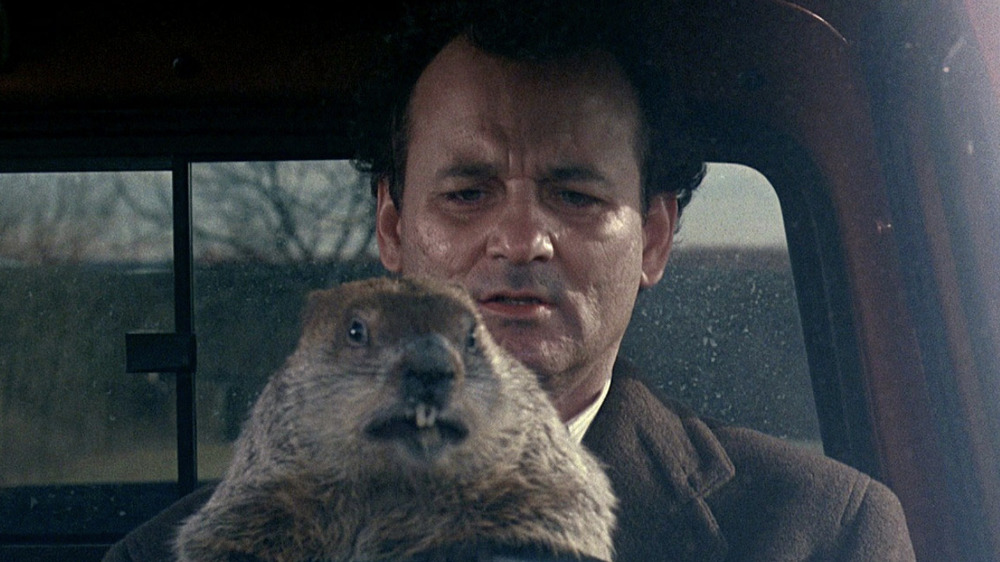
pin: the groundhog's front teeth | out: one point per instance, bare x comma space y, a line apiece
420, 427
425, 415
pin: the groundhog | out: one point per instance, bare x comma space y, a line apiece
398, 428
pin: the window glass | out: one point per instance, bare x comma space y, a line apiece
87, 257
265, 233
721, 331
79, 267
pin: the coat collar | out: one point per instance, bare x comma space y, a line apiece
663, 462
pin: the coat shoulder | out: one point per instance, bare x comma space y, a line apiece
780, 485
740, 494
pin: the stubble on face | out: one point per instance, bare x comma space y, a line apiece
555, 279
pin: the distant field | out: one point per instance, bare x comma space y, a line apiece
721, 333
141, 464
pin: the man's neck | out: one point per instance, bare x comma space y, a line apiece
569, 410
590, 385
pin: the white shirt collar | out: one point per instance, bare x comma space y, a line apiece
580, 423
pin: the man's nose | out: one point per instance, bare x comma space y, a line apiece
522, 233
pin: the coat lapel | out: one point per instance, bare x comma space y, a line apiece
663, 463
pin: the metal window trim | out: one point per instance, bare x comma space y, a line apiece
187, 429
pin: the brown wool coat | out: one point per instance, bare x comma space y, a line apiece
693, 491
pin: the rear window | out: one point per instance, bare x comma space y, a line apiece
88, 449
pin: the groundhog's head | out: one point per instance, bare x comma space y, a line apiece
396, 371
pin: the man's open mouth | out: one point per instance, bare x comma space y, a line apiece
514, 297
515, 305
523, 300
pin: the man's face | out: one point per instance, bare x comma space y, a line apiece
522, 183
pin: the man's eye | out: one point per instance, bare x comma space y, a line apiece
577, 199
465, 195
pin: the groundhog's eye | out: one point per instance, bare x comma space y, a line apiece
357, 332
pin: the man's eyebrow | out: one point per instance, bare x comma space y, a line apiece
475, 170
571, 173
554, 174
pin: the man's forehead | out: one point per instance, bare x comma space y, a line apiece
475, 102
591, 77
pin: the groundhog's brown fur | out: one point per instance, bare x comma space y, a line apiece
333, 463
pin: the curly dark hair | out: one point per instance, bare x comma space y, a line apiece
532, 31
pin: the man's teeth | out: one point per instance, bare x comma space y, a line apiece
425, 415
518, 300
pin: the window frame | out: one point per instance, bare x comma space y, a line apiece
820, 276
814, 247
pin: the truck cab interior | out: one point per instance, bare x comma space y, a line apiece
149, 280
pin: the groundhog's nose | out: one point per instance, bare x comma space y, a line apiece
428, 370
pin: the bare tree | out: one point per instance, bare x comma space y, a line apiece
63, 396
62, 326
55, 218
271, 212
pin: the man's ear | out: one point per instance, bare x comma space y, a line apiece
387, 228
658, 237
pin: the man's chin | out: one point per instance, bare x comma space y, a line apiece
547, 365
533, 344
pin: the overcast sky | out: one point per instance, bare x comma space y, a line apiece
734, 206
